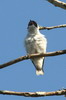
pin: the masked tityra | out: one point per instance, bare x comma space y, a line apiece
35, 42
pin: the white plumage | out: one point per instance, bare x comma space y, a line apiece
35, 42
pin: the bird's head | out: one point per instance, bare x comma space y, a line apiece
32, 26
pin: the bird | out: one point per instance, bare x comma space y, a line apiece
35, 42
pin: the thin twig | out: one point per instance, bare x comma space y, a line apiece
52, 27
34, 94
58, 3
48, 54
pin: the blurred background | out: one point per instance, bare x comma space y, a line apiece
21, 77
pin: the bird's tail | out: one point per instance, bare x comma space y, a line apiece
39, 72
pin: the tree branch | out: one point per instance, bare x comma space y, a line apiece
58, 3
52, 27
34, 94
48, 54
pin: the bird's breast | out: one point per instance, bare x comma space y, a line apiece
35, 44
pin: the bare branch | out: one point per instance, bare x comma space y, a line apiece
34, 94
58, 3
52, 27
49, 54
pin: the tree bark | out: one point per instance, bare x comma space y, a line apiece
48, 54
34, 94
58, 3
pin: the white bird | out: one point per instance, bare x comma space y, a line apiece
35, 42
